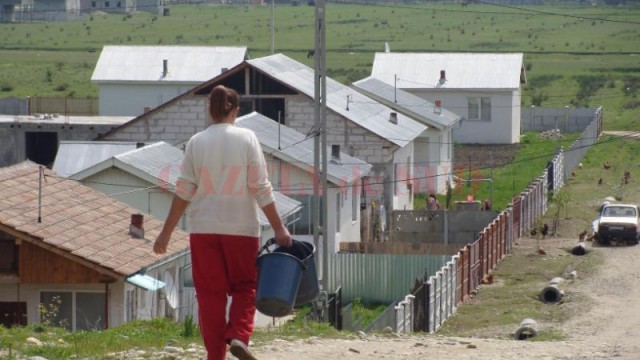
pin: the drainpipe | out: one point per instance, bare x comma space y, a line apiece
106, 305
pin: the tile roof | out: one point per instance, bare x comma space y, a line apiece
78, 220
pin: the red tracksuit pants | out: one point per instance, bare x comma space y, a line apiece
224, 265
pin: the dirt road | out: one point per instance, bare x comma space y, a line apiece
607, 328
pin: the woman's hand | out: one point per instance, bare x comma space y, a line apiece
283, 238
162, 241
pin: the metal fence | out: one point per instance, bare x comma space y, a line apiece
436, 296
391, 274
42, 105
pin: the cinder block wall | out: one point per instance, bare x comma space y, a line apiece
173, 123
13, 144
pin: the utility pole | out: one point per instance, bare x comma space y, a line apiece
273, 26
320, 142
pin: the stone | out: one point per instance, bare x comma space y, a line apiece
34, 341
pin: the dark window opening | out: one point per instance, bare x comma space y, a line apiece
271, 108
41, 147
13, 314
106, 4
9, 255
93, 4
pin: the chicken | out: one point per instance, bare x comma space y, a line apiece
545, 230
582, 236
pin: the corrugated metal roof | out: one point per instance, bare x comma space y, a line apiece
75, 156
159, 163
462, 70
359, 109
184, 63
420, 109
298, 151
80, 221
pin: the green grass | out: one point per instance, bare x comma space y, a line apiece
497, 309
60, 344
531, 158
559, 51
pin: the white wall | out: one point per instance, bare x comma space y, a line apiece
30, 293
130, 99
293, 181
433, 161
505, 115
403, 159
149, 201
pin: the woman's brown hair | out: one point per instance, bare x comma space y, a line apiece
222, 101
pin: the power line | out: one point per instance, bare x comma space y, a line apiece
294, 187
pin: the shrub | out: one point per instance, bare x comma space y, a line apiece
6, 87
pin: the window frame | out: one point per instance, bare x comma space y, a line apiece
481, 108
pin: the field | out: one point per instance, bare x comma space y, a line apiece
580, 57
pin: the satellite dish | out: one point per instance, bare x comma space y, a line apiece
383, 218
171, 290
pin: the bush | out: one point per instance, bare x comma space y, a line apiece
6, 87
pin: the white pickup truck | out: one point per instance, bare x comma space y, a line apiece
617, 223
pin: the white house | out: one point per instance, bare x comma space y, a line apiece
145, 179
131, 79
482, 88
64, 243
281, 88
433, 149
290, 158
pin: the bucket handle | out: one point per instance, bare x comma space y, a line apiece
269, 243
266, 246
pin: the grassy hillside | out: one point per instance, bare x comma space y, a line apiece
574, 56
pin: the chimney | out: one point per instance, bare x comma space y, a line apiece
139, 145
136, 229
165, 67
443, 77
147, 109
438, 107
224, 70
335, 154
393, 118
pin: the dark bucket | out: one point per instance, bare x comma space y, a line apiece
279, 276
309, 288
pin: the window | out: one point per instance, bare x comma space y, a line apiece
119, 4
8, 255
479, 108
106, 4
73, 310
93, 4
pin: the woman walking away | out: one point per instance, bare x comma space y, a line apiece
224, 180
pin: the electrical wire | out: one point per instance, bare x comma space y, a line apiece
294, 187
